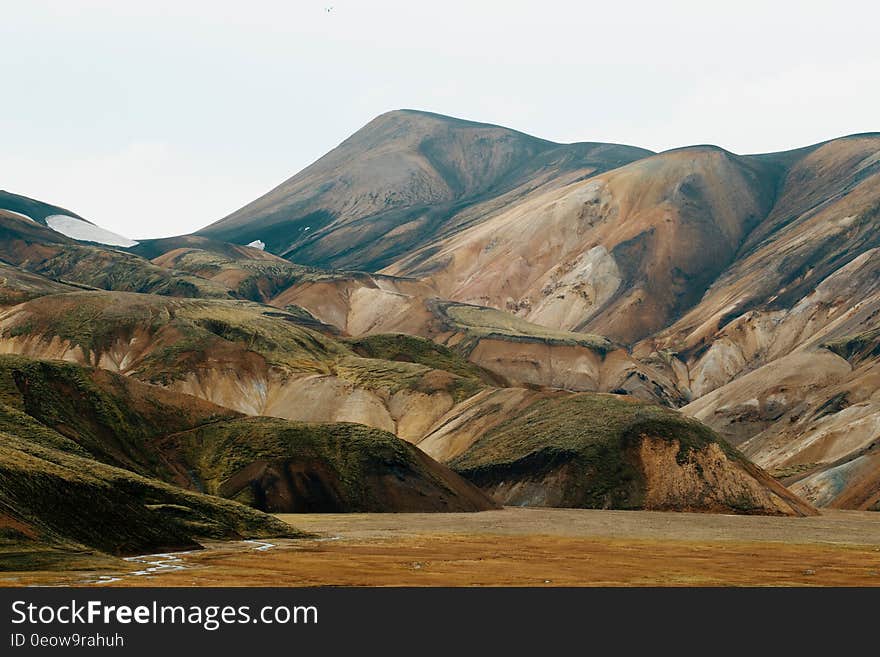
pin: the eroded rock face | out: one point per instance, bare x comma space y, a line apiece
244, 357
321, 398
364, 304
710, 480
851, 483
756, 401
619, 254
518, 351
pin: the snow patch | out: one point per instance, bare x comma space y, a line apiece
258, 244
86, 232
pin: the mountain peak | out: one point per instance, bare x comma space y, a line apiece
404, 178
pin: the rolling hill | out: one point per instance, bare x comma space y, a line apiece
259, 360
93, 462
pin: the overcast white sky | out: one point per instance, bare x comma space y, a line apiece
156, 118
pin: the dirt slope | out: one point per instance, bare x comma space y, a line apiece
516, 350
805, 270
619, 254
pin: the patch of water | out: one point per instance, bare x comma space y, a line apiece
260, 546
164, 562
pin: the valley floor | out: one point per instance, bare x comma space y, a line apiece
530, 547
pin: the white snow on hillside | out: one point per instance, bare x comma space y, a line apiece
86, 232
258, 244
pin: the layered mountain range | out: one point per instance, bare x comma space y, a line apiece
584, 324
742, 289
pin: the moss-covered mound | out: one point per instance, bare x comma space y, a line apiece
79, 475
293, 467
479, 322
411, 349
606, 451
248, 274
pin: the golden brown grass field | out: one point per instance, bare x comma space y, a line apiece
530, 547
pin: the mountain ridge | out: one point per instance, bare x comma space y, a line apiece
441, 277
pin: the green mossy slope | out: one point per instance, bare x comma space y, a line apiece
55, 503
293, 467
